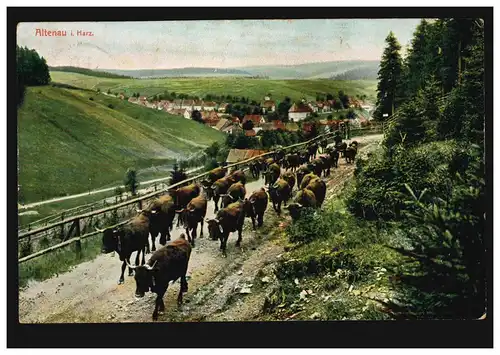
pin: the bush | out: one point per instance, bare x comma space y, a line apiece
91, 98
445, 275
312, 225
111, 106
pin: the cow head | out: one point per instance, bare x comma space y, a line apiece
110, 240
294, 209
144, 278
214, 228
227, 199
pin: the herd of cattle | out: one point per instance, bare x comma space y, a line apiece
302, 168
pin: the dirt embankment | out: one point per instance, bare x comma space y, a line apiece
220, 289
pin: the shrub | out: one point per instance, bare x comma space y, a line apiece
312, 225
111, 106
91, 98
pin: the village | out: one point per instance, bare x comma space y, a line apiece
264, 115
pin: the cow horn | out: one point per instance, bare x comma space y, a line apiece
154, 211
138, 210
180, 211
300, 205
151, 267
130, 266
99, 230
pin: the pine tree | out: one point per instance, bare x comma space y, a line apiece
389, 76
131, 181
177, 174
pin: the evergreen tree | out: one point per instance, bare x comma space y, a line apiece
131, 181
177, 174
389, 77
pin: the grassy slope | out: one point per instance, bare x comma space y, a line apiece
254, 88
65, 139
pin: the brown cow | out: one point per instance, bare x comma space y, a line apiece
183, 195
235, 192
238, 176
279, 192
290, 178
316, 166
292, 161
307, 179
272, 174
301, 172
304, 199
193, 214
168, 263
229, 219
161, 213
214, 175
256, 205
318, 187
350, 153
220, 188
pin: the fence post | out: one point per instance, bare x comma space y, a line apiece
78, 248
139, 204
77, 225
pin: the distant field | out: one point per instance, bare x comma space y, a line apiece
255, 89
68, 143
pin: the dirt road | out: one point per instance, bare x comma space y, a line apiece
220, 289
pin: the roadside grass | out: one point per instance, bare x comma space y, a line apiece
255, 89
337, 268
68, 143
58, 261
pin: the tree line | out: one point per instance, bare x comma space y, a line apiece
428, 184
31, 70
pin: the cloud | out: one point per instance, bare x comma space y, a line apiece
226, 43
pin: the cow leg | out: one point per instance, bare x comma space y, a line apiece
193, 233
201, 229
253, 222
153, 240
143, 256
131, 271
260, 219
216, 201
279, 208
122, 279
183, 289
223, 243
159, 302
238, 242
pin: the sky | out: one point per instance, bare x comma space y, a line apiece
214, 44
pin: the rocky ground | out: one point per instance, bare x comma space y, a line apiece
220, 289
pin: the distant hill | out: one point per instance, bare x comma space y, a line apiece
70, 140
320, 70
181, 72
359, 73
85, 71
255, 89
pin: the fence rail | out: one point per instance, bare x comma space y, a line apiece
75, 227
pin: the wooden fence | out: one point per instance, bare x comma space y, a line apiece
76, 228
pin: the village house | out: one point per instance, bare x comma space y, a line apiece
209, 106
268, 106
236, 155
187, 104
198, 105
298, 112
256, 119
277, 124
177, 104
291, 127
250, 133
222, 107
132, 100
210, 115
235, 128
314, 107
222, 124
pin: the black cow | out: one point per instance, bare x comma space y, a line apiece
125, 239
